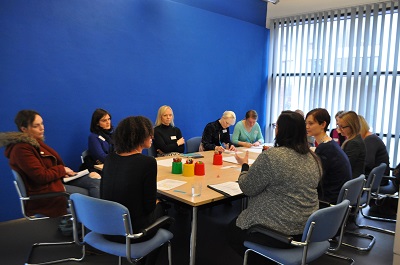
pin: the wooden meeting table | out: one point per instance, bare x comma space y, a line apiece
214, 174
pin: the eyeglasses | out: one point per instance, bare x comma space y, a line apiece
274, 125
342, 127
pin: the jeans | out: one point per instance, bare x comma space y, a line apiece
90, 184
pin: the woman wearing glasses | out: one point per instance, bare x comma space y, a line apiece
354, 146
216, 134
336, 134
100, 142
336, 165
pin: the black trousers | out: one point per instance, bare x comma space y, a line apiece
236, 237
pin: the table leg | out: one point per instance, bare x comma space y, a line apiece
193, 237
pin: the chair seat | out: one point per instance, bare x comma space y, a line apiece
388, 189
138, 250
290, 256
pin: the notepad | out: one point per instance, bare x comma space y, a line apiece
77, 175
230, 188
193, 155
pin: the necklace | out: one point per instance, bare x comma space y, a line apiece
323, 139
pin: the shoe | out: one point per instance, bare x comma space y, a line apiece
65, 227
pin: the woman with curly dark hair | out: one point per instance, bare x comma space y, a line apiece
129, 177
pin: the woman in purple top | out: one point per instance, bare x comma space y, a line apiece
100, 142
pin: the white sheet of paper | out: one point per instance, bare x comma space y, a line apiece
232, 159
165, 162
254, 150
231, 152
169, 184
77, 175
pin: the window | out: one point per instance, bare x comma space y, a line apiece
345, 59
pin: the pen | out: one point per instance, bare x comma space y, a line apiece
181, 191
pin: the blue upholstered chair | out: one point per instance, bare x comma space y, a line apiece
193, 144
23, 198
102, 217
320, 227
350, 191
84, 155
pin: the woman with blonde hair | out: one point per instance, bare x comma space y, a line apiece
354, 146
168, 139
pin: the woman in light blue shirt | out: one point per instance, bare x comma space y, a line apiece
247, 132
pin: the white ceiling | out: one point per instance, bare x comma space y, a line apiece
285, 8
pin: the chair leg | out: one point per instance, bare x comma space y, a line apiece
367, 236
52, 261
377, 218
169, 253
246, 255
390, 232
350, 260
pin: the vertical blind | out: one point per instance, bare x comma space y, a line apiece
345, 59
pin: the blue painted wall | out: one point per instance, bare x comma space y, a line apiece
65, 58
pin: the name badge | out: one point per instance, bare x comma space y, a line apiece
173, 137
101, 138
224, 130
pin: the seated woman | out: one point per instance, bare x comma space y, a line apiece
354, 146
100, 142
336, 134
40, 166
376, 150
130, 178
336, 164
168, 139
281, 186
216, 134
247, 132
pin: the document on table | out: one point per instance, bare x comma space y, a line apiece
229, 188
169, 184
77, 175
232, 152
165, 162
254, 150
232, 159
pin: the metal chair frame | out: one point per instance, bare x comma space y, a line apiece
307, 235
23, 197
126, 224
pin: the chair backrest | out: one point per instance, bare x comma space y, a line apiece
100, 216
19, 184
152, 151
375, 177
193, 144
325, 222
84, 154
351, 190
